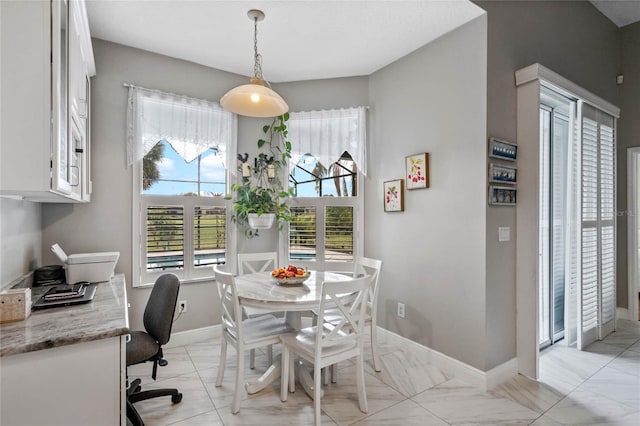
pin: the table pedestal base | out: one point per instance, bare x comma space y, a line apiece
273, 372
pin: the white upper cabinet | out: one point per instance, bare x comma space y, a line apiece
46, 65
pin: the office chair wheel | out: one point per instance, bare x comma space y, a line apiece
176, 398
163, 362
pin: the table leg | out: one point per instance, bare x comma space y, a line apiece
272, 373
303, 374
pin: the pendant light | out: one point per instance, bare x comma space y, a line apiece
256, 99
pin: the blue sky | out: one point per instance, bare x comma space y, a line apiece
174, 167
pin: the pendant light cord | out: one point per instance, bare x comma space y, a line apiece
257, 58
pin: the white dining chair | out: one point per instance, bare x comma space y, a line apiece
250, 263
326, 343
242, 334
371, 267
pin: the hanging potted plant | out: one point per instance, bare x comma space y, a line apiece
259, 198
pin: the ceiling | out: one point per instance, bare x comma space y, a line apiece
620, 12
298, 40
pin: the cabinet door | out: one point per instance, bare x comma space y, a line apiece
60, 149
78, 107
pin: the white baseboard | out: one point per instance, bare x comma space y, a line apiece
622, 313
501, 373
485, 380
465, 372
197, 335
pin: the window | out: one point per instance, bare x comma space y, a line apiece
179, 184
325, 232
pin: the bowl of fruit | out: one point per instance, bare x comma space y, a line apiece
291, 275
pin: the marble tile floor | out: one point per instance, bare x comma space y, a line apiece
598, 386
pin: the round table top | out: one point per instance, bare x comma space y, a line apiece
259, 290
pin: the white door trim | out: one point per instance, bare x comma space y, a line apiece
633, 159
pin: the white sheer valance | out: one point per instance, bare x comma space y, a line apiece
190, 125
327, 134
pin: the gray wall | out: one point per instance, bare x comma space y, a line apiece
20, 243
433, 253
105, 224
628, 136
571, 38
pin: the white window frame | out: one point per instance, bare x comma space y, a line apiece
320, 203
189, 273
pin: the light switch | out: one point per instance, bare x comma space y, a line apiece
504, 233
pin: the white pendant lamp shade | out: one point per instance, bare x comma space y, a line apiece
254, 100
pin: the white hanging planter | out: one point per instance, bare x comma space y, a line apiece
264, 221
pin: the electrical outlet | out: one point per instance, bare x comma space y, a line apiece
401, 310
183, 306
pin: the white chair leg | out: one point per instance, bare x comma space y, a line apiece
317, 396
223, 362
270, 355
292, 374
235, 408
374, 347
284, 374
362, 393
252, 359
334, 373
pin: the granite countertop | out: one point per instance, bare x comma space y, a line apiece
106, 316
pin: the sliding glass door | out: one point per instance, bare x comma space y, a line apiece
577, 221
555, 202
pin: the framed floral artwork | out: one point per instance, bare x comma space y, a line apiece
393, 195
417, 171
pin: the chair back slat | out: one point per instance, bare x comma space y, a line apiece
350, 326
249, 263
371, 267
231, 312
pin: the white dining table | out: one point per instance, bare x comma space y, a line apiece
259, 290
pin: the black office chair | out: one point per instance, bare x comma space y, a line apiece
147, 345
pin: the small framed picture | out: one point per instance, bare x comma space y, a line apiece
503, 195
503, 150
394, 195
417, 171
502, 174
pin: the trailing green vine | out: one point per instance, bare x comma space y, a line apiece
262, 192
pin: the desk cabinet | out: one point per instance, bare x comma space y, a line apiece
46, 62
80, 384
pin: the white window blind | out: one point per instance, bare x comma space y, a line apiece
302, 233
338, 229
607, 229
165, 237
598, 225
322, 234
209, 235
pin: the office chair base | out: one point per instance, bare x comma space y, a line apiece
176, 396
